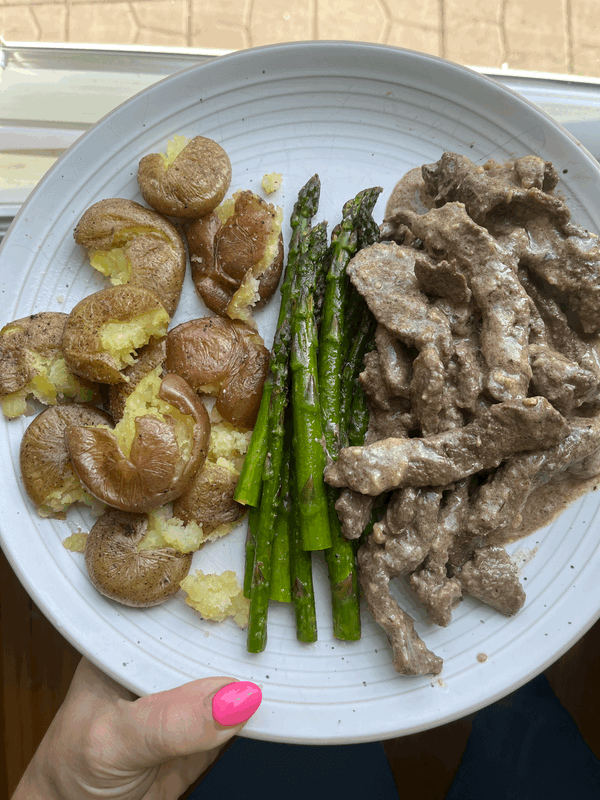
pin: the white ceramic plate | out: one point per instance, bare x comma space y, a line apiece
359, 115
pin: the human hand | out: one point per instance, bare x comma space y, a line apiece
105, 743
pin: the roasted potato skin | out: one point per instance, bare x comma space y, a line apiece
44, 459
40, 334
154, 473
222, 253
223, 357
119, 571
192, 186
151, 242
209, 498
81, 338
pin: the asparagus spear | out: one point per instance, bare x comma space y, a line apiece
341, 555
310, 452
249, 485
253, 519
280, 573
362, 342
303, 595
277, 382
357, 215
304, 209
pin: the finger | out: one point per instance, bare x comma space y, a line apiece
196, 717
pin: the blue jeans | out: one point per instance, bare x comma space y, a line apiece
525, 747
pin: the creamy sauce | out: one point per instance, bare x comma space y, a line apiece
547, 502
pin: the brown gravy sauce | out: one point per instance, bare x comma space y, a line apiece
547, 502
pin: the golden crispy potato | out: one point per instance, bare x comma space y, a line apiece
208, 501
48, 477
136, 246
32, 364
224, 358
151, 455
118, 570
189, 181
149, 357
237, 255
104, 330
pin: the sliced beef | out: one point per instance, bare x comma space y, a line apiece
491, 577
438, 592
500, 431
354, 511
409, 192
488, 188
395, 362
396, 547
384, 275
491, 272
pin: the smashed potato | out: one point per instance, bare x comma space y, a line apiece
189, 181
208, 501
32, 365
236, 255
224, 358
118, 570
48, 476
134, 245
149, 357
217, 597
105, 329
169, 531
272, 182
151, 455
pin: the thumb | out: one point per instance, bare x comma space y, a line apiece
197, 717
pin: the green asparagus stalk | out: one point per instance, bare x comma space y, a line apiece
277, 382
304, 209
280, 573
362, 342
253, 519
340, 556
345, 240
303, 595
310, 458
249, 485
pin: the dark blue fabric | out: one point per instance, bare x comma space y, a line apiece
299, 772
526, 747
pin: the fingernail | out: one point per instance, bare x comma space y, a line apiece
236, 702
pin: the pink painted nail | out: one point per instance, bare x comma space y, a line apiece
236, 702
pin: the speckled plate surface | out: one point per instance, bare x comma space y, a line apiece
359, 115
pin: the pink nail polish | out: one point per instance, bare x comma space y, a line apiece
236, 702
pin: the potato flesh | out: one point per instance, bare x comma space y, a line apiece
144, 401
70, 492
51, 381
166, 531
175, 146
114, 264
217, 597
271, 182
121, 339
75, 542
226, 442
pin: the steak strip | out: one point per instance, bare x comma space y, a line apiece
499, 431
